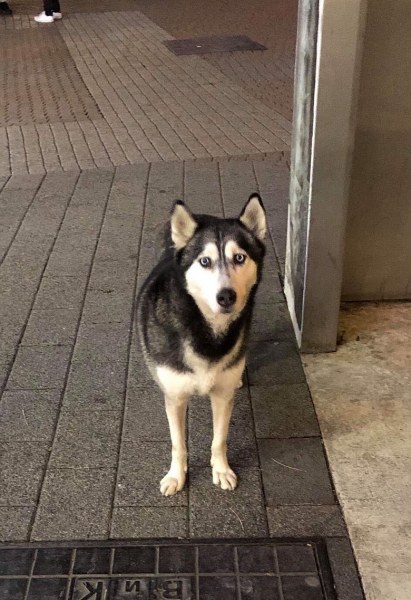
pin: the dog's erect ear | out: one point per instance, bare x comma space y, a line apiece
183, 225
253, 216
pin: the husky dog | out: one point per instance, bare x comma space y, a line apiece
193, 317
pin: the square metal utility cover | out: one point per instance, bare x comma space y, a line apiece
215, 43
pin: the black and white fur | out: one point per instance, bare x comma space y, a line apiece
193, 315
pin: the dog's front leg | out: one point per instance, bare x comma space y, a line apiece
173, 482
222, 401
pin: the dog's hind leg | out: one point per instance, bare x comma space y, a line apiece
176, 409
222, 401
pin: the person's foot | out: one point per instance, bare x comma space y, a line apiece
43, 18
5, 9
57, 16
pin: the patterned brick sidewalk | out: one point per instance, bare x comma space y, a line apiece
83, 429
101, 90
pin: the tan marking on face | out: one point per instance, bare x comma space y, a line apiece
243, 276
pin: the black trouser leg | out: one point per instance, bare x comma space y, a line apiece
51, 6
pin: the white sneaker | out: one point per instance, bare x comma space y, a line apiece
43, 18
57, 16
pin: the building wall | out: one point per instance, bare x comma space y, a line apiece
377, 264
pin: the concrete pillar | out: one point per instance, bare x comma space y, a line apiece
329, 44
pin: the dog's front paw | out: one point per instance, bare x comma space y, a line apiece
226, 479
171, 484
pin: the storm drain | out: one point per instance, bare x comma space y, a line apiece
179, 571
215, 43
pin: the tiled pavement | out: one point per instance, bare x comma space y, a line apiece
101, 90
84, 438
83, 433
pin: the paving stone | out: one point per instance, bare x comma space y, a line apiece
86, 439
28, 416
39, 367
98, 368
22, 468
60, 292
219, 514
74, 504
344, 569
275, 363
15, 198
142, 466
145, 416
242, 449
271, 322
283, 411
15, 523
295, 472
52, 327
149, 522
305, 521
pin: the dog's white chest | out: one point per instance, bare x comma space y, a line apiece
204, 375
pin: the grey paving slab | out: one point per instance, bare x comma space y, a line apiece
110, 292
149, 522
202, 187
215, 513
51, 327
15, 523
344, 569
145, 416
142, 465
273, 181
283, 411
15, 198
22, 269
271, 322
28, 415
98, 368
237, 184
22, 467
275, 363
40, 367
242, 448
295, 472
86, 439
60, 293
75, 244
74, 504
305, 521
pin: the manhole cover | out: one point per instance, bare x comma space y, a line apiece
181, 571
217, 43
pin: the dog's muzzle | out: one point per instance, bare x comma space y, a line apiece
226, 299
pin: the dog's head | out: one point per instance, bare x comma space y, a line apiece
221, 258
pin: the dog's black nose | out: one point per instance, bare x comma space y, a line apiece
226, 297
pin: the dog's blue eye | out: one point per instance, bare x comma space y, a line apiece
205, 261
239, 258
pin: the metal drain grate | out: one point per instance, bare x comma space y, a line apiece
182, 571
217, 43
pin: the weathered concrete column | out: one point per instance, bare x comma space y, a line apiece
325, 98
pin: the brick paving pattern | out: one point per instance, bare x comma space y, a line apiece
154, 106
91, 158
83, 430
